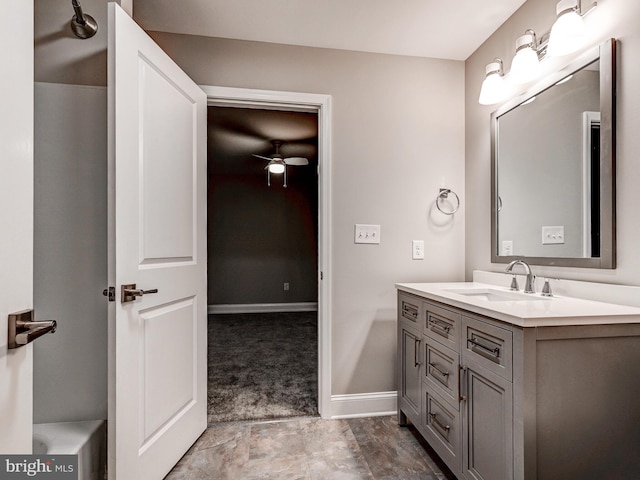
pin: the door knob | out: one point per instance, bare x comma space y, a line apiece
24, 329
130, 292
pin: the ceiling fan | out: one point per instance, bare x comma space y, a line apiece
278, 163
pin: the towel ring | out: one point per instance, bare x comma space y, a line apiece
444, 193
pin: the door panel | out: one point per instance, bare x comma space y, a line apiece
168, 382
168, 201
16, 220
157, 215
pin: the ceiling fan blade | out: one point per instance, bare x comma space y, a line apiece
263, 158
298, 161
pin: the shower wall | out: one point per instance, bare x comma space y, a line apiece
70, 252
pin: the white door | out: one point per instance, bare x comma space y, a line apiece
157, 215
16, 220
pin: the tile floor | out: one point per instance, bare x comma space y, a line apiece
310, 448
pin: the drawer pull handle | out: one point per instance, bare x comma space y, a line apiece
439, 424
409, 311
439, 370
416, 351
439, 328
462, 381
494, 352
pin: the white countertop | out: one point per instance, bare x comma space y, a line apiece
537, 312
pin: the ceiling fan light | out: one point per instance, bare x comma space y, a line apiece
276, 167
568, 33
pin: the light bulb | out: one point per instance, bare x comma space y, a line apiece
493, 88
525, 66
568, 33
276, 167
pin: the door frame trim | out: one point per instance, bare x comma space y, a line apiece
320, 103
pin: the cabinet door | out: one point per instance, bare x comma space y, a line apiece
409, 389
487, 425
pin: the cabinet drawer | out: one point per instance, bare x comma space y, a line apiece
442, 325
442, 371
442, 428
409, 308
488, 345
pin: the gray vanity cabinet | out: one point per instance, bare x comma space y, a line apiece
500, 402
461, 368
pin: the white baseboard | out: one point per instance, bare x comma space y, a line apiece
264, 307
364, 405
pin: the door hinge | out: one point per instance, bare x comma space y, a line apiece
321, 275
110, 293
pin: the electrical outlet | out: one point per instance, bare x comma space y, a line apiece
367, 233
551, 235
417, 250
286, 286
507, 248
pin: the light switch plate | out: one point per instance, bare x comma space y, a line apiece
367, 233
551, 235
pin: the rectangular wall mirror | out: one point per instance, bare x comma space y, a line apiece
553, 168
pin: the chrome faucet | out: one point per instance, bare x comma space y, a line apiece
528, 286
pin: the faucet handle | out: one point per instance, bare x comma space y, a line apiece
514, 284
546, 289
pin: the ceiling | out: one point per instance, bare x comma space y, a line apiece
425, 28
235, 134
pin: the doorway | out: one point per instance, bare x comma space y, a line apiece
319, 105
262, 263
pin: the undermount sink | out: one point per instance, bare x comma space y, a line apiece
494, 295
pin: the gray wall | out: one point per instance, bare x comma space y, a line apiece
70, 252
261, 237
398, 126
613, 18
59, 56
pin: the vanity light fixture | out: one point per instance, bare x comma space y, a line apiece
525, 66
493, 88
568, 33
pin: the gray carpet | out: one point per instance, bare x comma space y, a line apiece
262, 366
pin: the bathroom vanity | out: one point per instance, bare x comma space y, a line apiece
507, 385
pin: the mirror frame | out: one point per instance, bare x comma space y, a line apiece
606, 53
